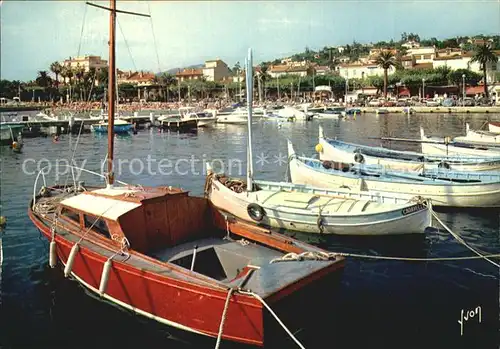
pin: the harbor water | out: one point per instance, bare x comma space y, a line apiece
380, 303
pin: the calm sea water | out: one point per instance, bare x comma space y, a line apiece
381, 304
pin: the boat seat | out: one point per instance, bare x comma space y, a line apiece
359, 206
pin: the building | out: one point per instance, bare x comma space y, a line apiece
189, 74
302, 68
86, 62
322, 69
216, 70
361, 70
139, 79
463, 61
422, 54
411, 44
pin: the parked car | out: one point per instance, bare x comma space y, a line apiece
374, 103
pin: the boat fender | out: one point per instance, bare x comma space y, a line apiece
318, 148
105, 277
359, 158
256, 212
71, 260
52, 254
327, 164
444, 164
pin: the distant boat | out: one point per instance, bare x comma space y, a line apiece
120, 126
382, 111
437, 146
9, 133
331, 113
494, 127
234, 116
478, 136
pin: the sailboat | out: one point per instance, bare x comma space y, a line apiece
312, 209
176, 260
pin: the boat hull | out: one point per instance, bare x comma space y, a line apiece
179, 125
346, 154
116, 128
494, 127
440, 194
383, 223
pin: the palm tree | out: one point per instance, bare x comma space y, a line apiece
43, 79
385, 60
56, 68
166, 80
484, 55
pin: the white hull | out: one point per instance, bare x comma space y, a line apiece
493, 128
297, 208
478, 137
206, 122
338, 154
451, 150
440, 193
232, 119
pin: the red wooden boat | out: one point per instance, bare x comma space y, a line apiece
175, 259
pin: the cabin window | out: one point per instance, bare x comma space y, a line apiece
71, 215
98, 225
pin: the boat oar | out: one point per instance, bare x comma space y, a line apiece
408, 140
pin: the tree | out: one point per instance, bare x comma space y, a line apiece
471, 78
43, 79
484, 55
236, 69
386, 60
56, 68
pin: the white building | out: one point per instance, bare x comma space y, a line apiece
411, 44
422, 54
463, 61
361, 70
216, 70
86, 62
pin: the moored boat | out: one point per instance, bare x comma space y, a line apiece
444, 146
494, 127
174, 259
335, 150
478, 136
119, 126
308, 209
9, 133
443, 188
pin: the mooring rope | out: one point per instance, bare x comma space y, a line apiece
459, 239
223, 319
259, 298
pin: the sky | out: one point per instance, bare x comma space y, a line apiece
37, 33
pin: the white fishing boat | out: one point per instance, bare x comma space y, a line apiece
312, 209
332, 149
494, 127
478, 136
444, 146
443, 188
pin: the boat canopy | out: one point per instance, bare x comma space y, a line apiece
100, 206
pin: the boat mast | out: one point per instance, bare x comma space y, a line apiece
111, 90
249, 86
112, 87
